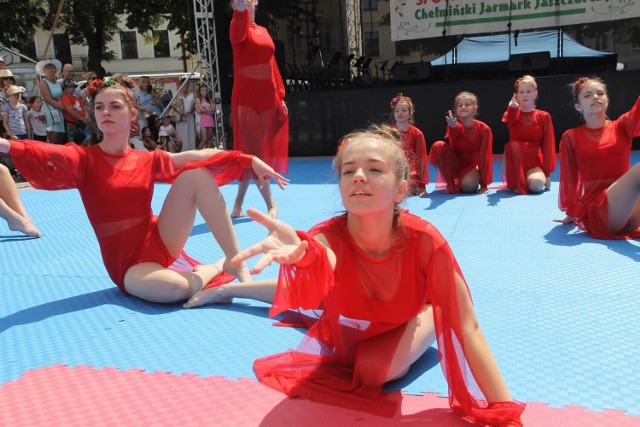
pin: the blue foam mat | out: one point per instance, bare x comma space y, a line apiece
559, 309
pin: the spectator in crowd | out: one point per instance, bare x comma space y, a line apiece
74, 115
185, 106
15, 118
146, 105
51, 92
37, 119
174, 143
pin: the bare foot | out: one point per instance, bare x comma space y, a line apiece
237, 212
23, 225
209, 271
216, 295
241, 271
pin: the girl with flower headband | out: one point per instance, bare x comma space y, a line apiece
530, 154
599, 191
413, 142
116, 184
465, 164
386, 285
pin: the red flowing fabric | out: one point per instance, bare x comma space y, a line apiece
116, 191
468, 148
590, 161
368, 300
260, 121
415, 148
531, 145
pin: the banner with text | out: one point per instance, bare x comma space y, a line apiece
418, 19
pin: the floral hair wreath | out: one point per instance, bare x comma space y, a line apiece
401, 98
94, 87
578, 84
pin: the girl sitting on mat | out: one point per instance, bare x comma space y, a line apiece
465, 164
382, 306
530, 154
116, 184
413, 143
599, 191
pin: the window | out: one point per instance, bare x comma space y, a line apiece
369, 4
128, 44
402, 49
161, 48
62, 48
371, 43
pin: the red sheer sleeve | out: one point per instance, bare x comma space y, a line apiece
225, 166
548, 146
630, 121
48, 166
277, 79
485, 156
443, 295
568, 197
239, 28
421, 157
511, 115
304, 286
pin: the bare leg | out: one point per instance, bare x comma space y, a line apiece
536, 180
260, 290
194, 189
11, 208
243, 186
373, 354
622, 201
470, 182
265, 190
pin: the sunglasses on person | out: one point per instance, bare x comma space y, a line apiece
7, 78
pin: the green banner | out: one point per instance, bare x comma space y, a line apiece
418, 19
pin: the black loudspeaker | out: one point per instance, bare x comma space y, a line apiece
412, 72
533, 61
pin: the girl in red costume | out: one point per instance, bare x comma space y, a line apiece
599, 191
413, 142
381, 306
116, 185
530, 154
259, 115
465, 164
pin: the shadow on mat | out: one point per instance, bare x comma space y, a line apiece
14, 238
111, 296
566, 235
305, 412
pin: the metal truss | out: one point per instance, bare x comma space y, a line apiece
208, 59
354, 26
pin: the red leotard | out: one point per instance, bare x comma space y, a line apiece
260, 123
116, 191
532, 144
365, 298
468, 148
415, 148
590, 161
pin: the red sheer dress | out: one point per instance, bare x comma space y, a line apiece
415, 148
366, 298
468, 148
116, 190
260, 122
532, 144
590, 161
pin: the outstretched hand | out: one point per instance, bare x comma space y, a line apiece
264, 170
282, 245
514, 102
451, 120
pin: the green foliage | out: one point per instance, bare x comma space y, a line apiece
20, 19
